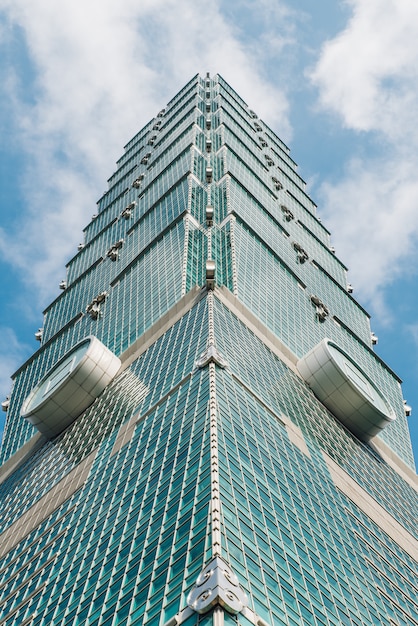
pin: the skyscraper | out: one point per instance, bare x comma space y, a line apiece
206, 434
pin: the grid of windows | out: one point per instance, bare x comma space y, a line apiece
199, 200
196, 257
182, 138
239, 170
243, 134
285, 394
285, 522
221, 252
137, 533
220, 200
136, 239
289, 171
269, 299
264, 219
142, 390
156, 182
146, 290
76, 444
252, 157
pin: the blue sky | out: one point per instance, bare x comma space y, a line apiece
336, 80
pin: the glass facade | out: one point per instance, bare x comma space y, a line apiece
207, 450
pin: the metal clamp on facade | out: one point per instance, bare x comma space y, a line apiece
210, 274
322, 311
113, 252
93, 309
217, 585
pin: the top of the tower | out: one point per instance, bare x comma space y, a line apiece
206, 196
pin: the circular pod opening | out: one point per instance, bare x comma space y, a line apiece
345, 389
70, 386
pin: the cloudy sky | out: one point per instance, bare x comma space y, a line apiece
336, 80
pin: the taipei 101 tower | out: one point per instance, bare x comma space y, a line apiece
206, 434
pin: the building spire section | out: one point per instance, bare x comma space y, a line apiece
217, 586
215, 504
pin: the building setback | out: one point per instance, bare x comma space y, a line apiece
206, 434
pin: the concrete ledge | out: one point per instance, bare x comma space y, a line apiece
30, 447
161, 326
290, 359
42, 509
258, 328
350, 488
296, 436
395, 462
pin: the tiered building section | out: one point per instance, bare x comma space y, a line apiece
220, 473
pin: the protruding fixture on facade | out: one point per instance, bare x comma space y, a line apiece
102, 297
406, 408
151, 140
269, 161
113, 252
209, 174
207, 95
5, 404
287, 213
346, 390
208, 145
209, 215
137, 182
39, 333
127, 211
263, 143
374, 339
161, 113
301, 254
63, 285
157, 125
332, 249
93, 309
210, 274
80, 246
257, 127
208, 123
217, 585
93, 217
253, 114
72, 384
277, 184
322, 311
145, 158
211, 355
208, 107
350, 288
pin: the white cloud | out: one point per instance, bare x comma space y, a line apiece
373, 213
367, 75
367, 72
102, 70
